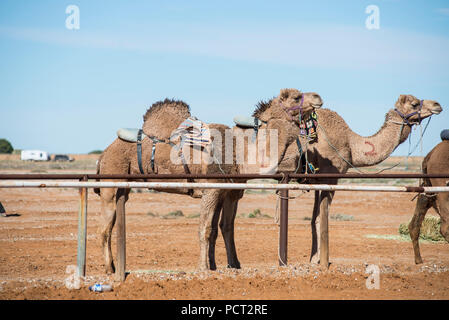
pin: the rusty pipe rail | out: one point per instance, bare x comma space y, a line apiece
228, 186
277, 176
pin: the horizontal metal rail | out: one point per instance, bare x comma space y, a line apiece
278, 176
188, 185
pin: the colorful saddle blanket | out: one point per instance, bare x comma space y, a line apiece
307, 127
192, 132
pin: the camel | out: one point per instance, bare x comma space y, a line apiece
337, 148
436, 161
160, 120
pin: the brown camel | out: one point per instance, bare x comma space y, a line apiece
436, 161
337, 148
160, 121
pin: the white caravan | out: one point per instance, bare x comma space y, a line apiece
36, 155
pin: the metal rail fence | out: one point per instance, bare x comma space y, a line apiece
42, 181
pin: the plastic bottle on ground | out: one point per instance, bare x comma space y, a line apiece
100, 287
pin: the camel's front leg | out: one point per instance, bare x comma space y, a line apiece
213, 238
422, 205
210, 205
321, 237
107, 221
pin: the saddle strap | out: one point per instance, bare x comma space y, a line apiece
139, 150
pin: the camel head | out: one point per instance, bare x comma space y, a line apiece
412, 110
281, 115
290, 104
163, 117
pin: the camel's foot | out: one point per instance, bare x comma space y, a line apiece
110, 269
203, 267
418, 260
315, 259
234, 265
213, 266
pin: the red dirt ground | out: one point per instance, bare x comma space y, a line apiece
38, 240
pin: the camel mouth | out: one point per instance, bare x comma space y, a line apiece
436, 110
317, 105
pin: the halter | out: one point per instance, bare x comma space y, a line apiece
289, 110
406, 117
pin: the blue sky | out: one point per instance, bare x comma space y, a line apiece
68, 91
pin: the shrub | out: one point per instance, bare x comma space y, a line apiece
96, 152
5, 146
173, 215
257, 214
341, 217
430, 229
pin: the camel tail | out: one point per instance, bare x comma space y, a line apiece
97, 190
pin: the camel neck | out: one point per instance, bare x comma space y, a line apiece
368, 151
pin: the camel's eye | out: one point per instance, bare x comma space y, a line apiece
297, 99
415, 105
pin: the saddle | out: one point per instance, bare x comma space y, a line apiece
191, 132
444, 134
129, 134
247, 122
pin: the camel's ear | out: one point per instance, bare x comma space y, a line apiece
402, 99
284, 94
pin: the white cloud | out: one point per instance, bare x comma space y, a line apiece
336, 47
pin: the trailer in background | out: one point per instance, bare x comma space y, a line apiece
35, 155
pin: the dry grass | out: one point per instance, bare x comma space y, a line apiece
430, 229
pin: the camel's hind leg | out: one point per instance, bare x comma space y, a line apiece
422, 205
443, 211
107, 221
227, 229
210, 207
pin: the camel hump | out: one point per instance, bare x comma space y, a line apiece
444, 134
129, 134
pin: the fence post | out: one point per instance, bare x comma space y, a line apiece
283, 230
121, 235
82, 231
